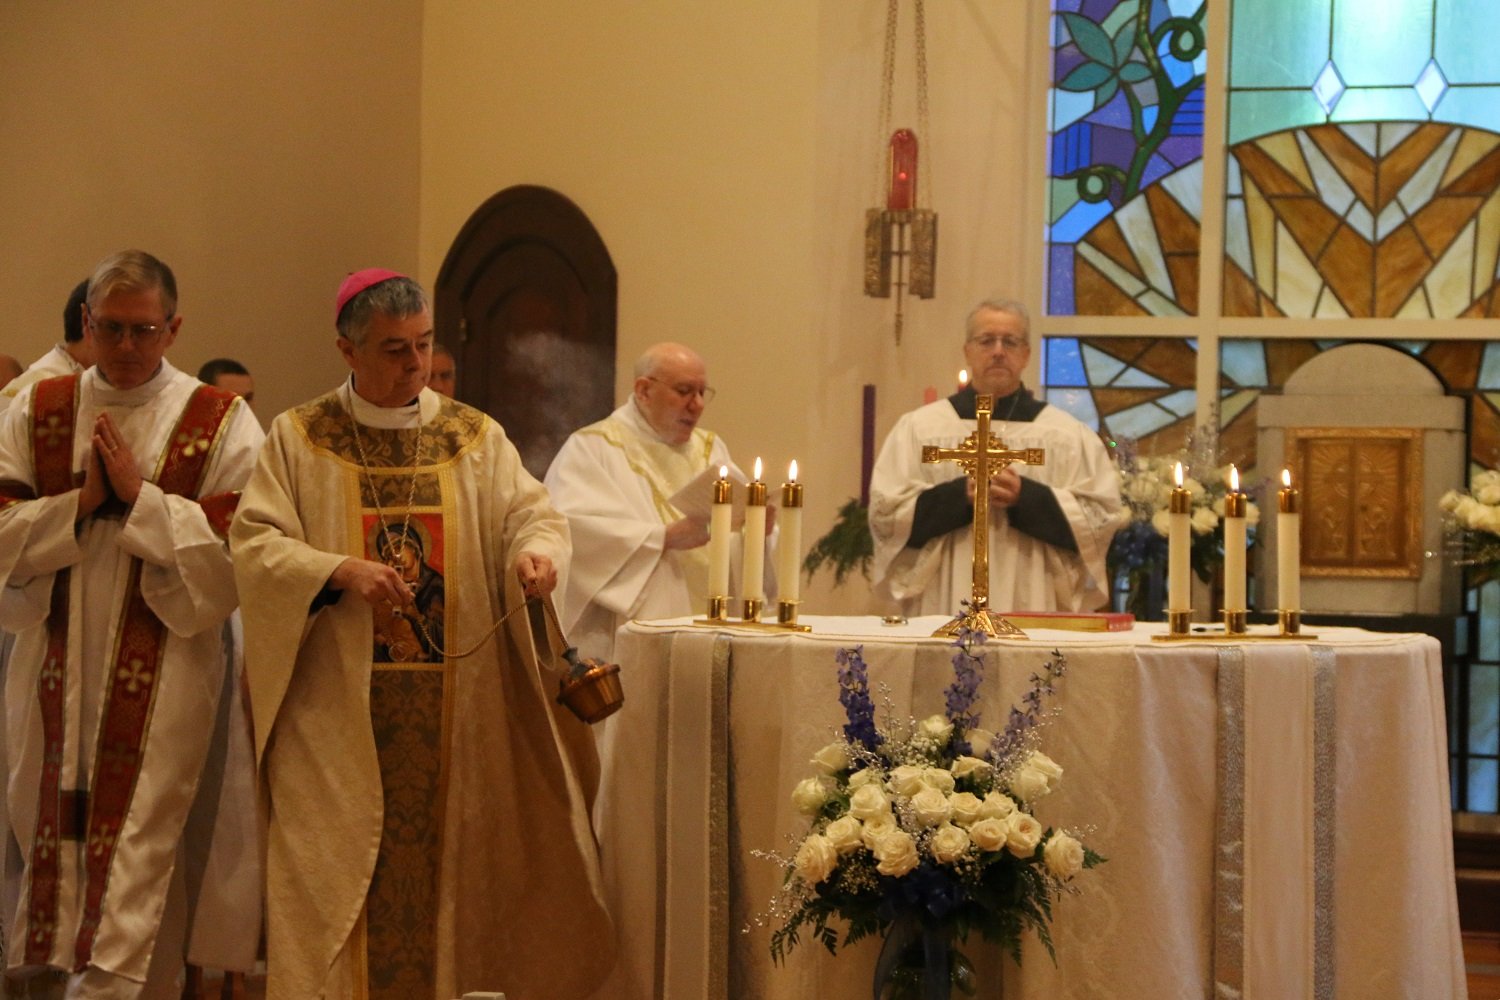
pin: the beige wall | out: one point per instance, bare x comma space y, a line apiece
262, 150
726, 153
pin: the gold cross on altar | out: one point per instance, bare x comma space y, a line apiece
981, 455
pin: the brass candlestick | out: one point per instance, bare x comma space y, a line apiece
1234, 506
1180, 503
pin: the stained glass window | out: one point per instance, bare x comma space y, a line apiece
1125, 178
1296, 63
1363, 176
1137, 388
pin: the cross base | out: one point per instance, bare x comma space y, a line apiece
980, 620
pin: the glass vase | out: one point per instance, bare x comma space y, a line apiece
906, 981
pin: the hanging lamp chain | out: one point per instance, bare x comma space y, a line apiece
887, 95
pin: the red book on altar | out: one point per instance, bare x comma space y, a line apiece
1076, 621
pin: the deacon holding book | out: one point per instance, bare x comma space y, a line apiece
428, 825
1050, 525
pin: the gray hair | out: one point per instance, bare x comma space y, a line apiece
133, 271
394, 297
998, 305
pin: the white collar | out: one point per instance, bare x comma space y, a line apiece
413, 414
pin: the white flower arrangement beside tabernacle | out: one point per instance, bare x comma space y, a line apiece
924, 832
1473, 522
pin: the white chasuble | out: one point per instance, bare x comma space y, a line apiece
115, 680
428, 813
1026, 574
614, 480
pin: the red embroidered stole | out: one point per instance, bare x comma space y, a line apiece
54, 405
132, 681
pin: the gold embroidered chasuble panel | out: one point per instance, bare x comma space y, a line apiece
403, 499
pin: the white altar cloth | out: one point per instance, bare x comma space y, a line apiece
1275, 814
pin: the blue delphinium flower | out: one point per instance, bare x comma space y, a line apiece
854, 695
1021, 721
963, 694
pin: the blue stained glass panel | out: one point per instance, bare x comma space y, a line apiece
1471, 105
1260, 112
1484, 702
1463, 40
1278, 43
1489, 368
1064, 365
1077, 402
1244, 361
1184, 402
1392, 60
1483, 786
1125, 111
1388, 44
1139, 421
1365, 104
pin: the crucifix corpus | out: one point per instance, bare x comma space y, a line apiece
981, 455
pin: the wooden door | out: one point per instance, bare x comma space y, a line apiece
526, 302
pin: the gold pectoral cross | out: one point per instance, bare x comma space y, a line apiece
981, 455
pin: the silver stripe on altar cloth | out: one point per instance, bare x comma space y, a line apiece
1274, 852
718, 824
1229, 843
1325, 805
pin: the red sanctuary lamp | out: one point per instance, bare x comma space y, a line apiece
901, 239
902, 193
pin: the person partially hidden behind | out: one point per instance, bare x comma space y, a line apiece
72, 355
1050, 525
227, 373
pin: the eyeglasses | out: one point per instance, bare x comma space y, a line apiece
113, 332
688, 391
1011, 344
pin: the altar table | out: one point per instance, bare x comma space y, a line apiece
1275, 814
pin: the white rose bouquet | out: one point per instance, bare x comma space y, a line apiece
924, 832
1473, 522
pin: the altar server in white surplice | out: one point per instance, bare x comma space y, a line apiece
1050, 525
116, 490
634, 554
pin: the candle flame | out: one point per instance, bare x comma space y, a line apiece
1286, 478
792, 471
1234, 479
757, 469
1177, 474
963, 377
723, 472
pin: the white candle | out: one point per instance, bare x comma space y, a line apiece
719, 530
1288, 545
754, 531
789, 551
1179, 546
1234, 544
